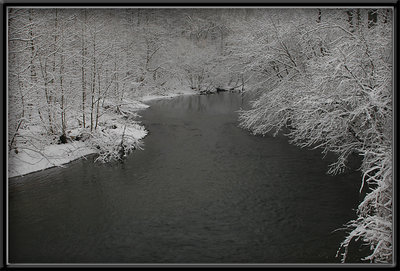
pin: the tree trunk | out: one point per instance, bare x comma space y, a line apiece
93, 83
350, 19
372, 17
63, 120
32, 45
319, 16
83, 71
98, 99
358, 13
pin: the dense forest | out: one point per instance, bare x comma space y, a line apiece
321, 76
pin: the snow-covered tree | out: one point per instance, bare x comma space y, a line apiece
335, 94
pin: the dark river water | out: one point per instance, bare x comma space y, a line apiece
201, 191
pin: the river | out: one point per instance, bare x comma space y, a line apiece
201, 191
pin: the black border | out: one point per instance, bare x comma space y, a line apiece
3, 113
204, 4
200, 3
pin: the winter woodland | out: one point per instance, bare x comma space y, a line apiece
77, 78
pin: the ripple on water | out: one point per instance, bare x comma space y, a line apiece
202, 191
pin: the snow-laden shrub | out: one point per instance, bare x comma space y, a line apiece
117, 142
336, 96
374, 224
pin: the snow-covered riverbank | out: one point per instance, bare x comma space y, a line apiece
30, 159
37, 154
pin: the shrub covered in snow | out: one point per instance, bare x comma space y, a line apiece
330, 84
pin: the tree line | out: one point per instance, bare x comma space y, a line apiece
67, 65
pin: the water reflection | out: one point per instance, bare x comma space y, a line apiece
202, 191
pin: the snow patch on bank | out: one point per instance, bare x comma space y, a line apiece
30, 160
115, 129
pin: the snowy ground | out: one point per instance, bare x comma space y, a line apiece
27, 161
113, 127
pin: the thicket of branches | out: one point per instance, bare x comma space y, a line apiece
328, 80
67, 68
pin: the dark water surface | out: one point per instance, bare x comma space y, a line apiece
201, 191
